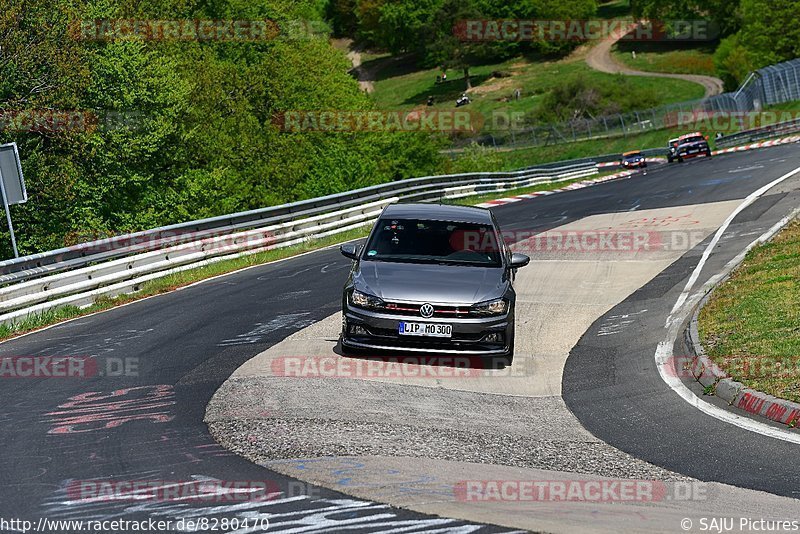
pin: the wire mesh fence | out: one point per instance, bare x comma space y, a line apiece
770, 86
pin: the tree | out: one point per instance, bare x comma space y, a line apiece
444, 47
724, 13
768, 31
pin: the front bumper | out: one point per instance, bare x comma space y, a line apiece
635, 165
364, 329
694, 153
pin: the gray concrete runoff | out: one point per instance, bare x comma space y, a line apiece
416, 441
711, 377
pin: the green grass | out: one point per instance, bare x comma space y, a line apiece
751, 324
400, 89
669, 57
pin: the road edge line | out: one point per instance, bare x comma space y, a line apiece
684, 307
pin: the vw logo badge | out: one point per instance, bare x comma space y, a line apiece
426, 310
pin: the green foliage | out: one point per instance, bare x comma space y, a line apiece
426, 27
767, 36
732, 62
477, 158
578, 97
197, 137
769, 30
723, 13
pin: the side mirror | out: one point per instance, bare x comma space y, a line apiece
350, 250
519, 260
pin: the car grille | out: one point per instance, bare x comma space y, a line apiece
397, 308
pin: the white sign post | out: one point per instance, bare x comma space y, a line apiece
12, 185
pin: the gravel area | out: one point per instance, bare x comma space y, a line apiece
267, 419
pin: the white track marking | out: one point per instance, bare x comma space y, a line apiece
747, 201
683, 307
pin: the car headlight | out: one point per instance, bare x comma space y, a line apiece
492, 307
363, 300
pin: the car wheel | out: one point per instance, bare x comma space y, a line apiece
347, 350
680, 159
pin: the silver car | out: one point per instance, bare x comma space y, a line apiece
432, 279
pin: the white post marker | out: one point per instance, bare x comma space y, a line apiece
12, 185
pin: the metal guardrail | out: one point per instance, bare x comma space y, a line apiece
78, 275
76, 256
757, 134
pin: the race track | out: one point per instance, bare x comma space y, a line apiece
583, 395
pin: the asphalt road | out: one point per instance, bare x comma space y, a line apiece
181, 346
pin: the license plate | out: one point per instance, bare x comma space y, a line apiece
425, 329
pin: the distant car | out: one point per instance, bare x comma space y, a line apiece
633, 160
672, 149
691, 146
431, 279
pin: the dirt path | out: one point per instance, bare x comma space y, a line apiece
600, 58
364, 76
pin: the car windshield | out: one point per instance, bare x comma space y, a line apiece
693, 139
440, 242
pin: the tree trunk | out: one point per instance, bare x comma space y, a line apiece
466, 78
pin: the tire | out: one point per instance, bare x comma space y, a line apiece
680, 159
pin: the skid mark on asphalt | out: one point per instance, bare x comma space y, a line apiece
324, 268
93, 411
300, 513
104, 345
291, 321
615, 324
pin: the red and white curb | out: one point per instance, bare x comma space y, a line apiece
709, 375
624, 174
717, 381
570, 187
762, 144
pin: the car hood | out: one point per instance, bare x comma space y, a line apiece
695, 144
414, 282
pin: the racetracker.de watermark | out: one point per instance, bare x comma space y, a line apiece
565, 30
593, 491
210, 490
379, 121
220, 30
186, 241
390, 367
728, 121
687, 366
67, 366
579, 241
52, 121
